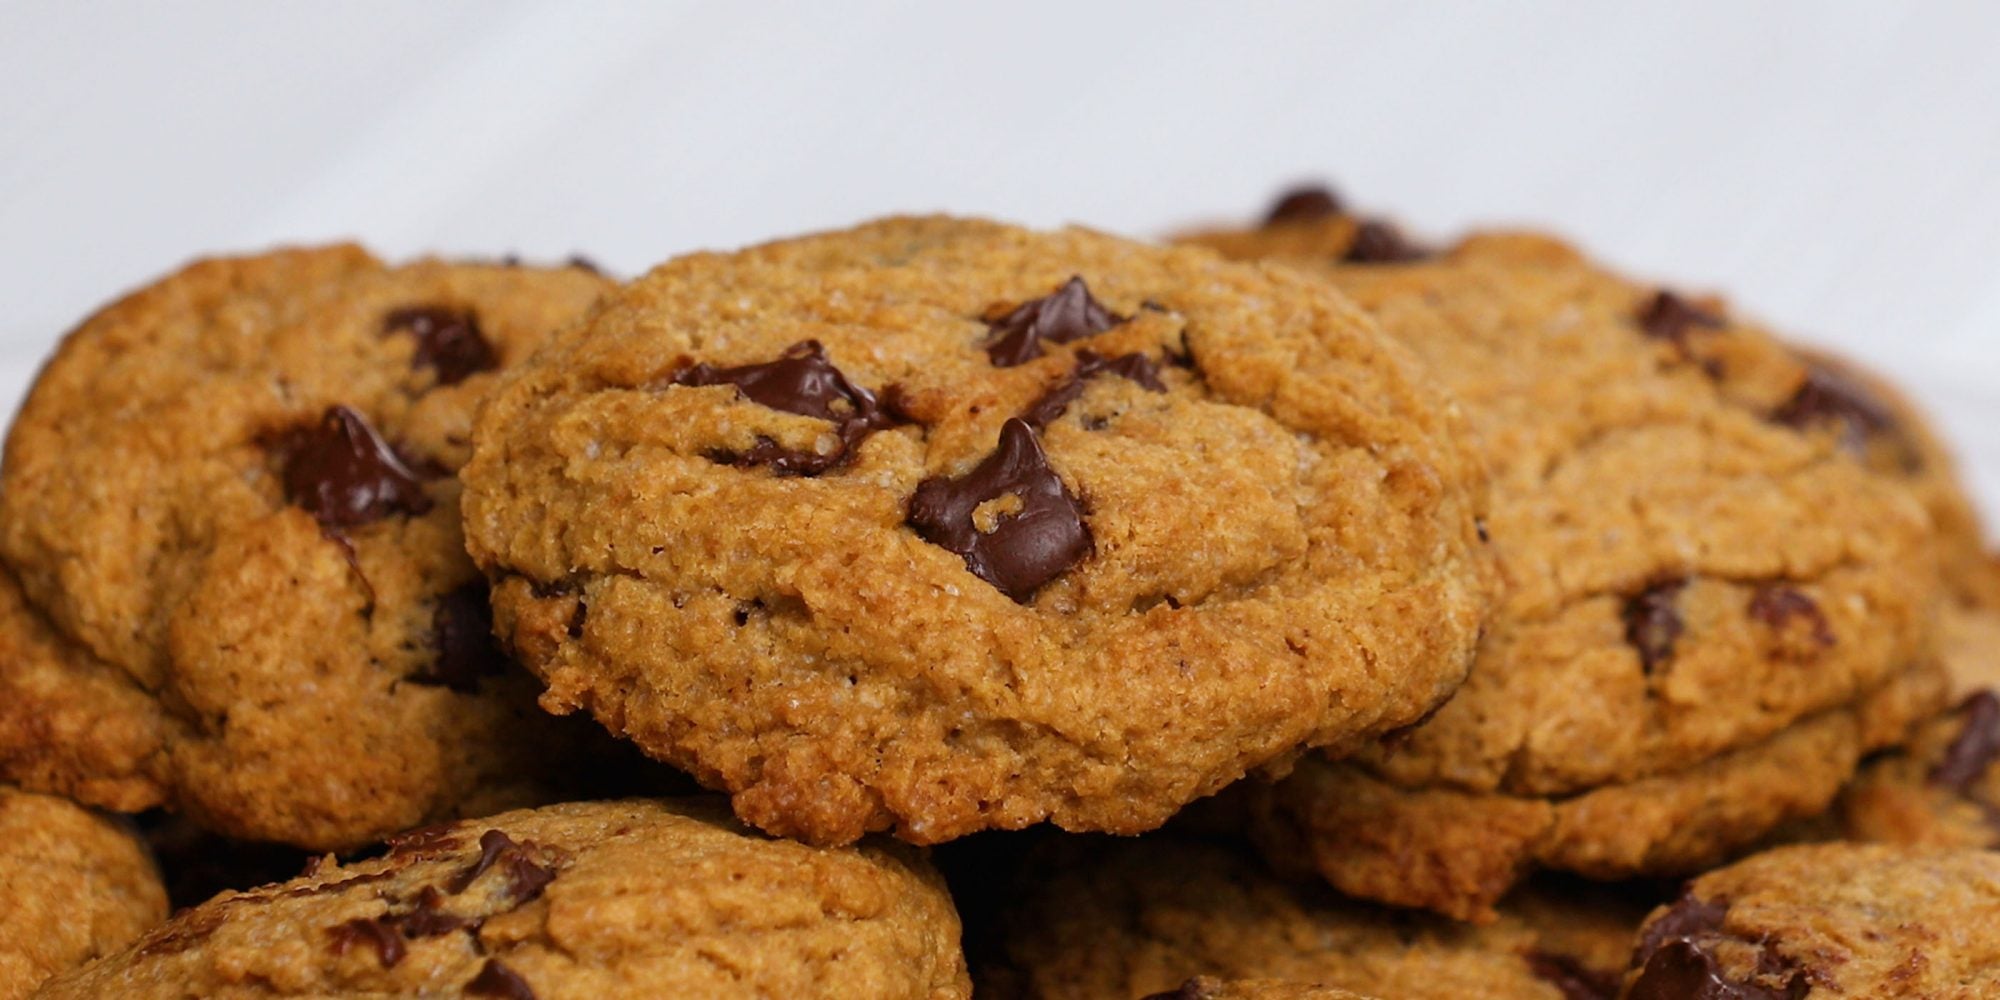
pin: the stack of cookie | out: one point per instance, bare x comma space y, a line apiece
1422, 614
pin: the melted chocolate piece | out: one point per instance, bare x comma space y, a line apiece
1089, 365
804, 382
462, 634
1977, 745
497, 980
425, 842
1027, 547
1069, 314
428, 919
373, 931
1304, 204
1378, 242
1688, 916
1669, 317
448, 341
1827, 398
1685, 970
585, 264
1573, 978
1653, 623
343, 474
1778, 606
525, 876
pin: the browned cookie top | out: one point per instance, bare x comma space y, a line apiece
1823, 921
604, 901
937, 525
76, 886
231, 491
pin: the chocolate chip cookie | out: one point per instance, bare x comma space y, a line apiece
633, 898
229, 503
1823, 921
1210, 988
1128, 919
937, 525
77, 886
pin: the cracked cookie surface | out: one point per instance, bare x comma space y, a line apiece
938, 525
229, 504
77, 886
633, 898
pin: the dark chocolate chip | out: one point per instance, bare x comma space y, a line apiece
492, 844
344, 474
526, 877
1828, 399
1688, 916
1778, 606
1683, 969
497, 980
1378, 242
582, 263
1576, 980
1069, 314
1304, 204
1977, 745
373, 931
1653, 623
805, 382
1089, 365
1669, 317
448, 341
462, 634
428, 918
1043, 535
425, 842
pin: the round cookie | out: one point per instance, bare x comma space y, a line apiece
231, 494
77, 886
606, 900
1458, 852
1209, 988
1821, 921
939, 525
1129, 919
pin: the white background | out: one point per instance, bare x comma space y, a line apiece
1835, 167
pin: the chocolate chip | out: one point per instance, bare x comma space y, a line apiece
1304, 204
1778, 606
1378, 242
1685, 970
1689, 915
1828, 399
1653, 623
582, 263
462, 635
1089, 365
525, 877
497, 980
448, 341
805, 382
1669, 317
1575, 980
343, 474
372, 931
1021, 548
1977, 745
428, 918
425, 842
1069, 314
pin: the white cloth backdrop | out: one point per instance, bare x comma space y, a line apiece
1835, 167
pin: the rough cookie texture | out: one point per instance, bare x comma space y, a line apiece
77, 886
1129, 919
1458, 852
634, 898
939, 525
1834, 920
232, 489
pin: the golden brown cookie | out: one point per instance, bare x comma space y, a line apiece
230, 493
1127, 919
1823, 921
939, 525
609, 900
76, 885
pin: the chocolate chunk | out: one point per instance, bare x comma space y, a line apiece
526, 877
804, 382
1089, 365
1828, 399
372, 931
448, 341
1033, 541
1688, 916
1304, 204
1778, 606
497, 980
1071, 313
582, 263
428, 918
1669, 317
462, 634
1571, 977
425, 842
1977, 745
1685, 970
1653, 623
343, 474
1378, 242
